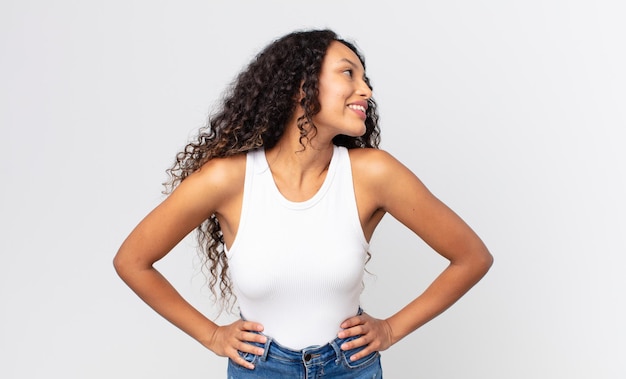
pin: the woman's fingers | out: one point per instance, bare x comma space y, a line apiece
238, 359
352, 321
250, 325
373, 334
247, 332
236, 339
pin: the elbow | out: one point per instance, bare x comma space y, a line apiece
485, 262
128, 264
478, 260
118, 264
122, 265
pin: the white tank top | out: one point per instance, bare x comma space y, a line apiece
297, 267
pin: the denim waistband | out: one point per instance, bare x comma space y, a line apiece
311, 355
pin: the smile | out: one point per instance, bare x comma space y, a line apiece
357, 107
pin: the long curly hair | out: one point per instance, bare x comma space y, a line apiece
254, 112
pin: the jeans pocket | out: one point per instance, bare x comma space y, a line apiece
361, 362
250, 357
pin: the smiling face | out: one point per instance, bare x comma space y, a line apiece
343, 93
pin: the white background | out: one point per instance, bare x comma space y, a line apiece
512, 112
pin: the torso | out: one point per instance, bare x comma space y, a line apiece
295, 262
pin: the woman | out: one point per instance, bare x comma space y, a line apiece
286, 186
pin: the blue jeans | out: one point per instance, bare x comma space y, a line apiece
327, 361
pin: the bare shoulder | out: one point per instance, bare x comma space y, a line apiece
223, 172
216, 183
385, 179
375, 164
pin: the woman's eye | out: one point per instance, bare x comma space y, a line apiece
348, 72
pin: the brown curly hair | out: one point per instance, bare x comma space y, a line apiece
253, 114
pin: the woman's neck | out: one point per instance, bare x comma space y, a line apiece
299, 170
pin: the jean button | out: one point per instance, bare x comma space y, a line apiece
307, 357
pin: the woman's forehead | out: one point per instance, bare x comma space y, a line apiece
337, 53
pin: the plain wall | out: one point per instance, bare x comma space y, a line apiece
512, 112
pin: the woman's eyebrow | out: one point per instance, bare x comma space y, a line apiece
349, 62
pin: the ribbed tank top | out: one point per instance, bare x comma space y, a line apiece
297, 267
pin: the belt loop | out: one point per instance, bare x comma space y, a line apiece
338, 352
266, 348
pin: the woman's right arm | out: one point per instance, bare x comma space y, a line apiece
200, 195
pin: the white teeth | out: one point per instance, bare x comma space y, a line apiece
357, 107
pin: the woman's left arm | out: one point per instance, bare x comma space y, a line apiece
401, 194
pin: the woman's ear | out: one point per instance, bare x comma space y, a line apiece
301, 94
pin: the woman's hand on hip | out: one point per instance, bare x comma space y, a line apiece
375, 334
228, 340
